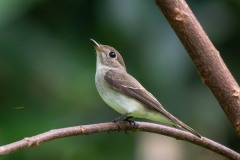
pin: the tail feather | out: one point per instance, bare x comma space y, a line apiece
189, 129
177, 123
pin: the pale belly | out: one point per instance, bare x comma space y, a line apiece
124, 104
114, 99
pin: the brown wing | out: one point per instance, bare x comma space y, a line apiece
128, 85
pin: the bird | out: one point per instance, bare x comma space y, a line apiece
122, 92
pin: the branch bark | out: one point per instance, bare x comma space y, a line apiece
107, 127
206, 58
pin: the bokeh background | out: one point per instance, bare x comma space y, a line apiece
47, 69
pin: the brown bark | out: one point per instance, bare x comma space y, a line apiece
125, 126
206, 58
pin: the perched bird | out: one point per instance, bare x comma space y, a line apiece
125, 94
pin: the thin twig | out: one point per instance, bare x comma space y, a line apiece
206, 58
107, 127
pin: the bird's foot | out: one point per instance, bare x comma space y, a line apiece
128, 119
123, 117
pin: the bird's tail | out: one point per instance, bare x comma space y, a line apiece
187, 128
179, 124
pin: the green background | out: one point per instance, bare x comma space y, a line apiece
47, 69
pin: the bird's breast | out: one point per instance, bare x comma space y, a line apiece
115, 99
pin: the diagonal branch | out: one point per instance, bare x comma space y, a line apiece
206, 58
107, 127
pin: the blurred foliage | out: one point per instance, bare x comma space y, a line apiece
47, 68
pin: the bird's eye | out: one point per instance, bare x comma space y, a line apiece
112, 54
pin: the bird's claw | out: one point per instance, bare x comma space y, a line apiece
128, 119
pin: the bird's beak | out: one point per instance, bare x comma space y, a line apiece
96, 45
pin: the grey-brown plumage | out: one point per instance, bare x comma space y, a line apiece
124, 93
135, 90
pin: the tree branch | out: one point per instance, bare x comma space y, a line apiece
107, 127
206, 58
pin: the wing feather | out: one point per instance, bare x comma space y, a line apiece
128, 85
